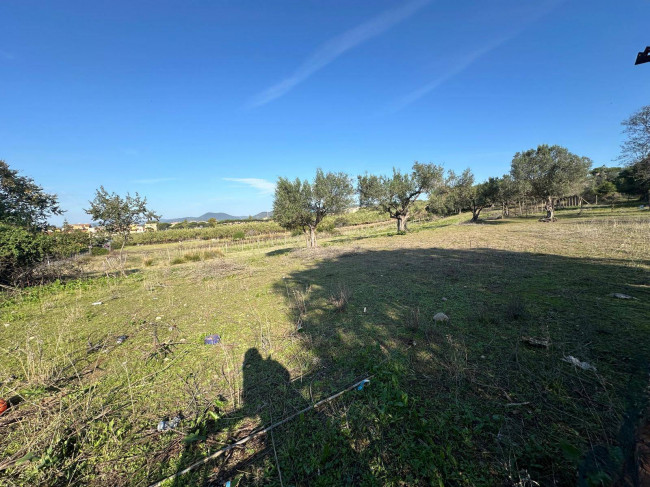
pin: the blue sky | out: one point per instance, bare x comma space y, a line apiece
202, 105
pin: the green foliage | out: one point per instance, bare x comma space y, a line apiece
549, 172
303, 205
483, 195
454, 195
98, 251
394, 195
67, 244
117, 214
24, 203
20, 251
161, 226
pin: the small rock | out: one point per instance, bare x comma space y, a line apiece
536, 342
444, 299
6, 325
440, 317
120, 339
483, 357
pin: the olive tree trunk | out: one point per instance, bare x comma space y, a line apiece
401, 223
550, 209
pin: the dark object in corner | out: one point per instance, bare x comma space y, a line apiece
643, 57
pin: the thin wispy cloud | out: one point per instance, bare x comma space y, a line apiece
262, 185
153, 180
469, 59
458, 68
337, 46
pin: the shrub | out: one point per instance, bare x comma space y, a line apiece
177, 260
67, 244
20, 251
98, 251
192, 257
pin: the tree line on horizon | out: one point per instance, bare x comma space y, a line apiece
547, 173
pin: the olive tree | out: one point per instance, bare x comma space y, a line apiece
395, 195
301, 205
483, 195
22, 202
117, 215
549, 173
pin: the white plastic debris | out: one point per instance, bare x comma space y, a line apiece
158, 318
167, 425
621, 296
440, 317
582, 365
6, 325
364, 310
97, 303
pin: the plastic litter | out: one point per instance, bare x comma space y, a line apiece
212, 339
621, 296
168, 425
360, 387
121, 339
97, 303
3, 406
582, 365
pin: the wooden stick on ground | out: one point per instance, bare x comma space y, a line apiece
218, 453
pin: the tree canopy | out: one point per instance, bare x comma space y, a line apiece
116, 214
303, 205
636, 148
394, 195
24, 203
549, 172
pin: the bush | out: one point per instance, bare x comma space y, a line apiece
67, 244
98, 251
20, 252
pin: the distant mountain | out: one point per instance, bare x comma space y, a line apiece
217, 216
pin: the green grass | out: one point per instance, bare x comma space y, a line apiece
462, 402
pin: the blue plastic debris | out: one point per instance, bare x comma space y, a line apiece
360, 388
212, 339
228, 484
168, 425
120, 339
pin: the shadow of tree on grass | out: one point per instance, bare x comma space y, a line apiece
463, 401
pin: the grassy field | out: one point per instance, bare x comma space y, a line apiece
464, 401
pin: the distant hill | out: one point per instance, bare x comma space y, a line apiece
217, 216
